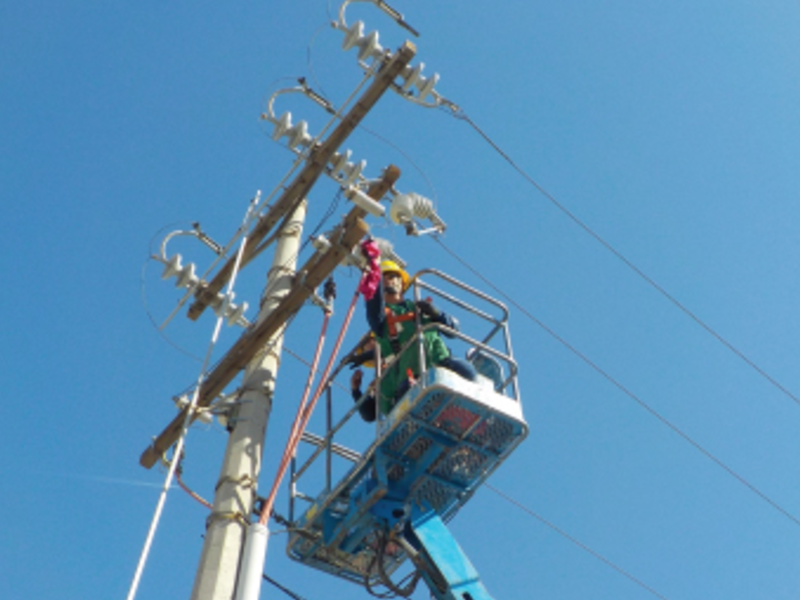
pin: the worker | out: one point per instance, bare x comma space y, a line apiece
392, 320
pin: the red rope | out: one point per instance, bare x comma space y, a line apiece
189, 491
304, 412
298, 419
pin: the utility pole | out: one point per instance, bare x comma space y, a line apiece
236, 489
258, 349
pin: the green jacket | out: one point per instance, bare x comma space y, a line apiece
394, 325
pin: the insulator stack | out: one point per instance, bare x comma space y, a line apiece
369, 48
406, 207
368, 45
414, 78
296, 135
183, 401
345, 172
184, 276
224, 307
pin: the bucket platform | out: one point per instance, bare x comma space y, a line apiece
431, 453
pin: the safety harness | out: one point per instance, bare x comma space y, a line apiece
392, 319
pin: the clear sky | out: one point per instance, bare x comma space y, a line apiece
670, 130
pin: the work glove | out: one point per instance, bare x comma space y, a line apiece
427, 309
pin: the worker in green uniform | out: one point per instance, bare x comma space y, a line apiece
392, 320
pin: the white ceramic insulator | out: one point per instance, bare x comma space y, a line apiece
355, 259
217, 301
369, 46
187, 278
352, 35
426, 86
299, 135
321, 243
236, 313
339, 161
224, 308
172, 267
406, 206
413, 77
282, 125
352, 172
387, 251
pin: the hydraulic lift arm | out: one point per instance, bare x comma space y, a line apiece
444, 566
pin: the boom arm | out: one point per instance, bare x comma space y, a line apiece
445, 568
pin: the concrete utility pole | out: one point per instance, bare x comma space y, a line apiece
236, 489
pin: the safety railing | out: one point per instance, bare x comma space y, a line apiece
494, 341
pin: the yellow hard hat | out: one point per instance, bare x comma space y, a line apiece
389, 266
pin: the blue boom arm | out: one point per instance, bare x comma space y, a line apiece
445, 568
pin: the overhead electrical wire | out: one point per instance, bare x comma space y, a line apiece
649, 280
620, 386
460, 115
575, 541
285, 590
302, 360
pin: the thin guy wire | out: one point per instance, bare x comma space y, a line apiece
152, 319
285, 590
307, 363
184, 430
463, 117
622, 388
308, 54
575, 541
405, 155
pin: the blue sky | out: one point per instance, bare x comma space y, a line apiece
672, 131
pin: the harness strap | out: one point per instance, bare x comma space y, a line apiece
392, 319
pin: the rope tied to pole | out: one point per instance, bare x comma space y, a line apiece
304, 411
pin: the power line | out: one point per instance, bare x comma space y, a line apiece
621, 387
607, 245
285, 590
575, 541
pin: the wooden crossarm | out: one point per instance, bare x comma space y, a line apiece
313, 273
305, 180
